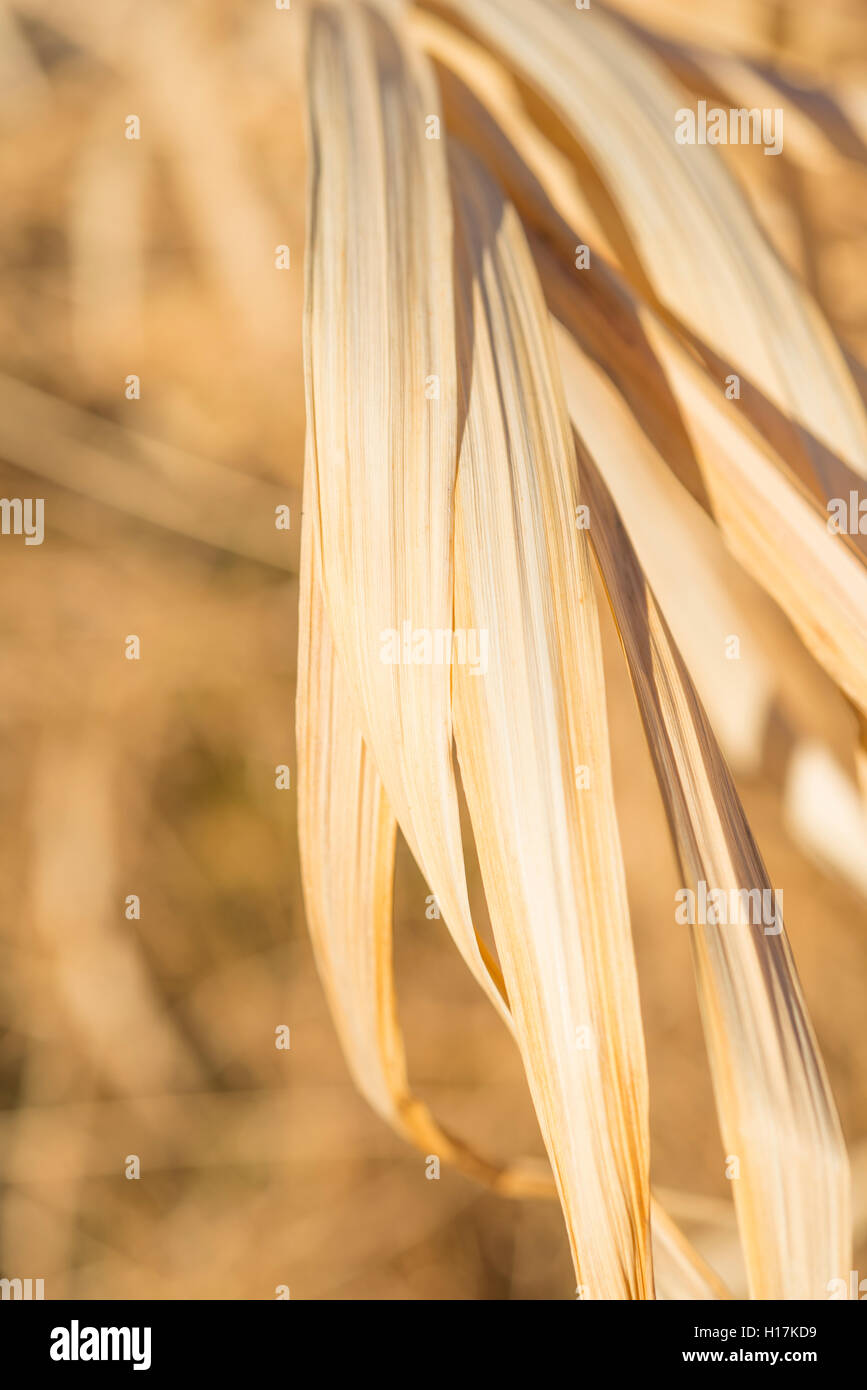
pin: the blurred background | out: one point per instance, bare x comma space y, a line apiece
154, 1035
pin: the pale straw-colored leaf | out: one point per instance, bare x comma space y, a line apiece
696, 238
347, 861
347, 844
777, 1116
382, 410
533, 746
745, 463
395, 543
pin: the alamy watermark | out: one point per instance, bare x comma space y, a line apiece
848, 517
735, 125
424, 646
25, 1289
23, 516
854, 1288
720, 907
77, 1343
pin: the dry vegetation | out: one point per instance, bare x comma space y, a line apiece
156, 777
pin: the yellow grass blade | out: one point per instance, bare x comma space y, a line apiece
395, 544
670, 531
680, 1273
778, 1119
347, 861
532, 742
697, 241
382, 407
744, 464
347, 845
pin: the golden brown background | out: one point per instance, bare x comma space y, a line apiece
157, 777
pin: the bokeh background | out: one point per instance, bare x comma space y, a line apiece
156, 777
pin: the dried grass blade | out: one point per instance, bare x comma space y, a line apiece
776, 1111
549, 851
347, 841
772, 520
382, 410
698, 243
347, 861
